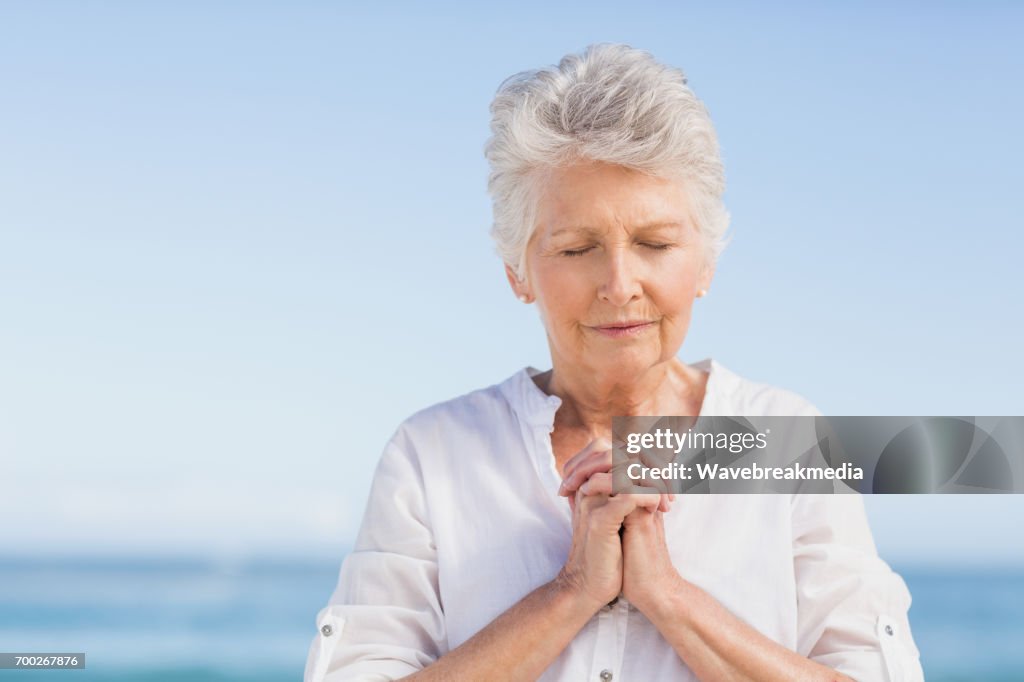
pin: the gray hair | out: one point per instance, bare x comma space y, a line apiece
611, 103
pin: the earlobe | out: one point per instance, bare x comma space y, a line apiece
704, 282
518, 286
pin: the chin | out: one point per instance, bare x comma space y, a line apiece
627, 364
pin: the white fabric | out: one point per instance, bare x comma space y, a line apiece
464, 519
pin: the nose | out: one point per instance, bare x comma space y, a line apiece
621, 278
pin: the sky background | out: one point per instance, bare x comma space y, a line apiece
240, 243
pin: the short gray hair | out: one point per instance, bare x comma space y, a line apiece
611, 103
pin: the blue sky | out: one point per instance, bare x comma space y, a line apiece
240, 243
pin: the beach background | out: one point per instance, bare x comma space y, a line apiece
239, 244
199, 621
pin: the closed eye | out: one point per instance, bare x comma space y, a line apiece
580, 252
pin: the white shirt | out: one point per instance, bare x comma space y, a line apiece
464, 519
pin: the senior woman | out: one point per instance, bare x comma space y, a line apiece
493, 546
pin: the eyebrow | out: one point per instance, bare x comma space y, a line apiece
586, 229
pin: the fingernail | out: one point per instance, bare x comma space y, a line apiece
561, 488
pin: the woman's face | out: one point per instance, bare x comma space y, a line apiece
614, 264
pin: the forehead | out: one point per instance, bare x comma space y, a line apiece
592, 197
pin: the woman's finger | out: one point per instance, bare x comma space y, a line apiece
601, 483
584, 468
625, 503
595, 445
598, 484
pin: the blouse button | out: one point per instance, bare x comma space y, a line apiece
606, 675
888, 630
327, 630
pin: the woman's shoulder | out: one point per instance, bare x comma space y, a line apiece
481, 410
731, 393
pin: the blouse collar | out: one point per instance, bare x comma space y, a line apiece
536, 408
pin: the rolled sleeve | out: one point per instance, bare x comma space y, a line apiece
384, 620
852, 608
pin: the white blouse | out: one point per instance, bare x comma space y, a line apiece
464, 519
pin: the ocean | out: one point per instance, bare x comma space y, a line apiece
192, 620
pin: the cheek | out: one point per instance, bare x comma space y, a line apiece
676, 305
674, 293
566, 294
678, 319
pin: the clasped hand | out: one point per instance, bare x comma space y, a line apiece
604, 562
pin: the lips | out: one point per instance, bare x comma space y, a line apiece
623, 325
625, 329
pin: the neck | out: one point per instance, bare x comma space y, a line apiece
590, 399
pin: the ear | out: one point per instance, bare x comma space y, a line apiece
519, 287
707, 274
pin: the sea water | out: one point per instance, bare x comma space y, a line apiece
195, 620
